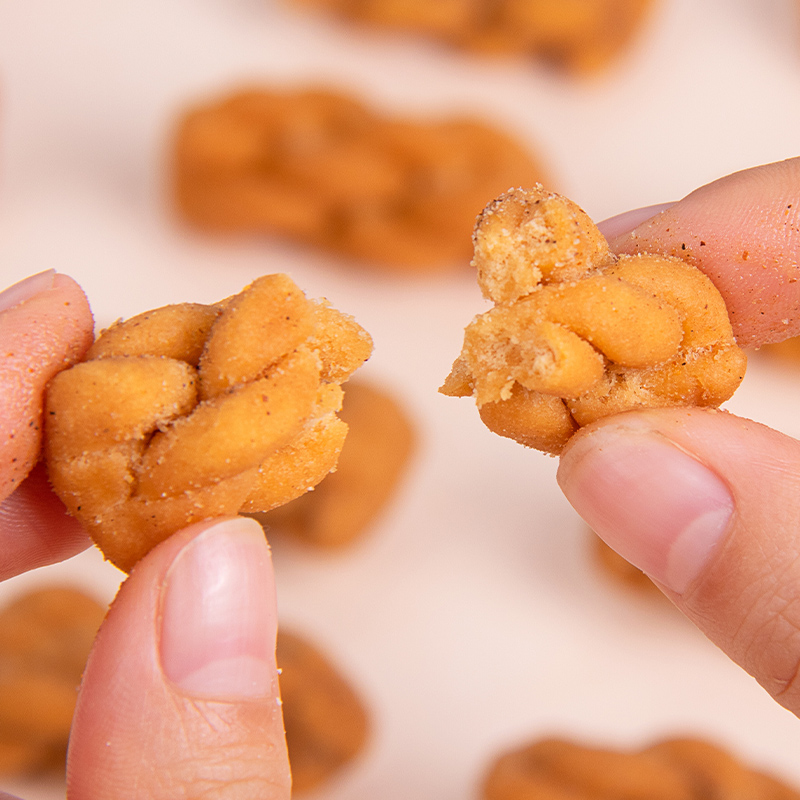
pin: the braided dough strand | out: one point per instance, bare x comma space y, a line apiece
190, 412
670, 769
320, 167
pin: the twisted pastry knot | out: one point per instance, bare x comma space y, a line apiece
577, 333
673, 769
194, 411
574, 34
327, 723
45, 638
320, 167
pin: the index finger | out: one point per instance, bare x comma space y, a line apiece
743, 231
45, 324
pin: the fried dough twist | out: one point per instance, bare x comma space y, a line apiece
319, 167
672, 769
578, 333
191, 411
582, 36
45, 638
327, 724
380, 442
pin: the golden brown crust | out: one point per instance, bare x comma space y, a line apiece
326, 722
45, 638
319, 167
674, 769
576, 35
157, 431
577, 333
177, 331
379, 444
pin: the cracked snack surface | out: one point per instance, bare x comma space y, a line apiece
671, 769
577, 333
193, 411
320, 167
577, 35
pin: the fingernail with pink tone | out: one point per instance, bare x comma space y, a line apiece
26, 289
219, 618
614, 227
653, 503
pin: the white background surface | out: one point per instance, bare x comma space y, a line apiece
471, 617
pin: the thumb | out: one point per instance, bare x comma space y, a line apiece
707, 504
180, 695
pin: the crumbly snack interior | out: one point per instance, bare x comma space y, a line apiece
327, 724
319, 167
45, 639
194, 411
576, 333
672, 769
380, 442
576, 35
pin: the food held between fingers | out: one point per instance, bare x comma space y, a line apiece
190, 412
577, 333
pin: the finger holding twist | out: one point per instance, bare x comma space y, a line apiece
191, 412
577, 333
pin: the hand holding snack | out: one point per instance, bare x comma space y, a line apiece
577, 333
704, 502
182, 676
191, 411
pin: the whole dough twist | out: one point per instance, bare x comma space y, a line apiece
320, 167
670, 769
578, 333
192, 411
582, 36
45, 638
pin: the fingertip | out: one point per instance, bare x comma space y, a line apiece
743, 232
35, 529
707, 504
217, 637
658, 506
26, 289
186, 658
621, 225
46, 325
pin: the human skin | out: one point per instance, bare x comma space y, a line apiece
704, 502
180, 693
719, 493
45, 324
